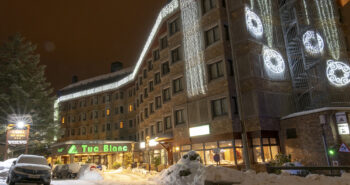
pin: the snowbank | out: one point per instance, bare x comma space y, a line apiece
6, 164
90, 174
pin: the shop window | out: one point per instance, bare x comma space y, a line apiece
212, 36
227, 156
216, 70
224, 144
291, 133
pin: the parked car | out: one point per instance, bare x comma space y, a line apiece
29, 168
56, 171
66, 171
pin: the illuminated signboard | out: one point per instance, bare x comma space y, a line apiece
17, 137
343, 129
142, 145
199, 131
79, 149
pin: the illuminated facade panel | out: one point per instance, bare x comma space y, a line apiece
273, 60
313, 42
254, 24
338, 73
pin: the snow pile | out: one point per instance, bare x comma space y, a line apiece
188, 171
6, 164
90, 174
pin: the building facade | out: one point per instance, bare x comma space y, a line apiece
215, 73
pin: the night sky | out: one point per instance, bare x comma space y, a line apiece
80, 37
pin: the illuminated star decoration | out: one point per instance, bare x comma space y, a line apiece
313, 42
254, 24
273, 60
338, 73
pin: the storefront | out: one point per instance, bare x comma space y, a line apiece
91, 151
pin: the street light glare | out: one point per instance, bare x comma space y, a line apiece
20, 124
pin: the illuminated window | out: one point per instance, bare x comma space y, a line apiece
121, 124
62, 119
107, 112
130, 108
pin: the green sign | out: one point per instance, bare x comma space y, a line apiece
60, 150
74, 149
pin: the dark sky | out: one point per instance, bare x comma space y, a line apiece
80, 37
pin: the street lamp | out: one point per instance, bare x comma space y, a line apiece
20, 124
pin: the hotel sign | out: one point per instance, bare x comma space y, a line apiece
91, 148
200, 130
17, 137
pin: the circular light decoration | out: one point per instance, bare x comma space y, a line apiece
254, 24
338, 73
313, 42
273, 60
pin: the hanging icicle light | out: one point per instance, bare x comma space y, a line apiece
254, 24
313, 42
338, 73
273, 60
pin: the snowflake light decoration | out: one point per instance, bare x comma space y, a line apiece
254, 24
273, 60
313, 42
338, 73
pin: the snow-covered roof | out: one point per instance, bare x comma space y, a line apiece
169, 9
302, 113
99, 78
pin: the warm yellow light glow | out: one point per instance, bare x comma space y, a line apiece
177, 148
107, 112
343, 2
130, 108
62, 120
121, 125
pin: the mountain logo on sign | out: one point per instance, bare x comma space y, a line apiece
344, 148
73, 150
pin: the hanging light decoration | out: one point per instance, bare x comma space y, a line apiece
338, 73
273, 60
313, 42
254, 24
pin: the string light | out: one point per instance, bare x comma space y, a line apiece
254, 24
338, 73
273, 60
313, 42
193, 48
266, 17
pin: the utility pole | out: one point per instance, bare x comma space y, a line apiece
238, 92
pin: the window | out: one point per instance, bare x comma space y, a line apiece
227, 32
103, 128
166, 94
121, 125
208, 5
140, 81
116, 110
108, 126
95, 100
150, 65
121, 110
163, 42
157, 78
72, 132
147, 129
216, 70
116, 96
83, 130
146, 112
219, 107
175, 55
130, 108
84, 116
291, 133
96, 114
159, 127
121, 95
174, 26
177, 85
158, 102
145, 73
95, 129
165, 68
108, 98
167, 122
151, 86
146, 92
151, 108
179, 117
156, 55
107, 112
130, 123
141, 98
116, 126
223, 3
152, 130
142, 135
211, 36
